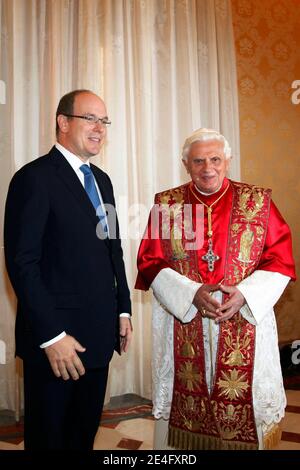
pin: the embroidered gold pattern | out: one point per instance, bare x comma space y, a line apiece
234, 421
189, 376
233, 384
173, 221
237, 350
192, 410
246, 242
251, 208
187, 349
235, 227
250, 202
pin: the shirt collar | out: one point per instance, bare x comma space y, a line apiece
224, 183
73, 160
207, 194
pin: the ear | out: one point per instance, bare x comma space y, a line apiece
185, 164
63, 123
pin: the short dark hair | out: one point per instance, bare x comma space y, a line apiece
66, 104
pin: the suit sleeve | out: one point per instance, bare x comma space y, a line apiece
26, 215
123, 294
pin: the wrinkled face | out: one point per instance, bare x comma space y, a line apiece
207, 165
79, 136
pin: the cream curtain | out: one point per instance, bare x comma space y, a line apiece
163, 67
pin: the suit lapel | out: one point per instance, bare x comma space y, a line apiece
66, 173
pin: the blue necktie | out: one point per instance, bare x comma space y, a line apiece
90, 187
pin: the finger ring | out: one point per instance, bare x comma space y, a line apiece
203, 312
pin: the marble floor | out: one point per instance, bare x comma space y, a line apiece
127, 424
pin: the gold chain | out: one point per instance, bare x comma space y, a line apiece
209, 209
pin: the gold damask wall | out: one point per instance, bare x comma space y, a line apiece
267, 38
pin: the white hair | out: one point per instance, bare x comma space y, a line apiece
204, 135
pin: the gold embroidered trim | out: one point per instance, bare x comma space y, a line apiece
171, 203
185, 440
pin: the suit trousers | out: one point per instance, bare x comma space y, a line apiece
59, 414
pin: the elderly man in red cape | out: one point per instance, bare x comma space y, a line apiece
217, 255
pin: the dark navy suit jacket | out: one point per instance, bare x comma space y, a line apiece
65, 277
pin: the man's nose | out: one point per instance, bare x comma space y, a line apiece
100, 126
207, 164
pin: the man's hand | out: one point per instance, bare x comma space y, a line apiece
125, 333
205, 303
64, 359
232, 304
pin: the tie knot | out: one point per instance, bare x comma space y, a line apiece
86, 170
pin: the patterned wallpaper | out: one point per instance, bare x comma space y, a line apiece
267, 38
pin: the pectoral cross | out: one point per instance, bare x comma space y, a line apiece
210, 257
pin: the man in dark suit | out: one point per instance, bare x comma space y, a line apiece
65, 261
